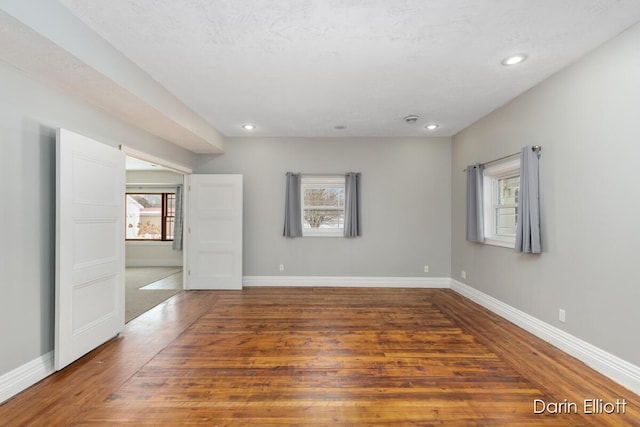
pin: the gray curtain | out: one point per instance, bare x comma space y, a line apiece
292, 208
352, 204
475, 216
178, 220
528, 227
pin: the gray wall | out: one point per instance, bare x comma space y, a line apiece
586, 119
406, 202
29, 114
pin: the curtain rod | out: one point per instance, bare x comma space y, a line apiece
534, 148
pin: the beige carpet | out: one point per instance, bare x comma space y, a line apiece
147, 287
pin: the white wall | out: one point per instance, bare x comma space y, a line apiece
586, 119
406, 202
29, 114
152, 254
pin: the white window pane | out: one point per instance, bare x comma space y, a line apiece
322, 205
323, 218
501, 197
506, 221
508, 189
144, 216
324, 197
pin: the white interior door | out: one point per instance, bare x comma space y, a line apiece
90, 182
214, 232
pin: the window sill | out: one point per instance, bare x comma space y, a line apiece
511, 244
323, 235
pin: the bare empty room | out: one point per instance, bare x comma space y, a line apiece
355, 212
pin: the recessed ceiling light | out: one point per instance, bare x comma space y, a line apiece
340, 127
411, 119
515, 59
432, 126
248, 126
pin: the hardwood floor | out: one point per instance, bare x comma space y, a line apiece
319, 356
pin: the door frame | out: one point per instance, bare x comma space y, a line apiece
178, 168
127, 151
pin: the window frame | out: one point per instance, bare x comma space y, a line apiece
491, 176
321, 181
164, 195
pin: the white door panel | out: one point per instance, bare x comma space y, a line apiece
215, 232
90, 180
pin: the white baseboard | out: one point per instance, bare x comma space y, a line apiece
606, 363
348, 281
25, 376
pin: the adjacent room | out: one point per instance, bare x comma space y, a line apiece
318, 212
153, 262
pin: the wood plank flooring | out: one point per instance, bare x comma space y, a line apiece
319, 357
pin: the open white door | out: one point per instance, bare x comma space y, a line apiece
214, 227
90, 183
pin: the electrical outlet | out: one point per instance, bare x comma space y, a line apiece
426, 268
281, 267
463, 274
562, 315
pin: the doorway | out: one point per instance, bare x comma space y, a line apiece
92, 224
153, 268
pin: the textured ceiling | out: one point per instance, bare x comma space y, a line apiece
124, 91
299, 68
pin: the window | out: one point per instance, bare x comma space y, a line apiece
322, 205
150, 216
501, 191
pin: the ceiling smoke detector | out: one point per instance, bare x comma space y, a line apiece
411, 119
